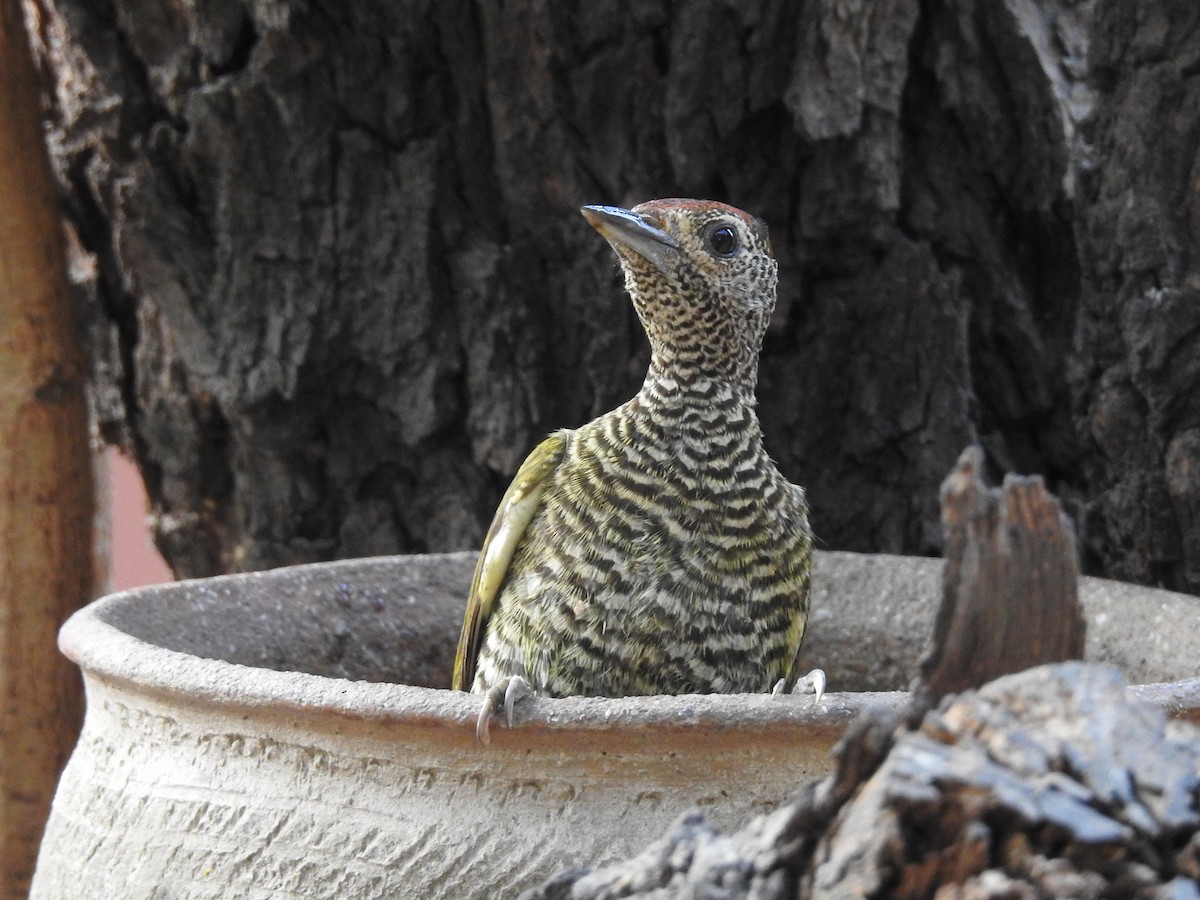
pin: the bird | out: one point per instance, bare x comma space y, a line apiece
657, 549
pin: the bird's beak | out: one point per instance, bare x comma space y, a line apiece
629, 232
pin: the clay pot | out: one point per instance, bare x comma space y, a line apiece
286, 734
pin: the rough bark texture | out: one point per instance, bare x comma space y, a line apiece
47, 496
1050, 783
1010, 594
340, 285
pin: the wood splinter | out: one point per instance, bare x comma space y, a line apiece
1009, 591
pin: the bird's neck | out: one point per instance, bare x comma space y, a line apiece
670, 386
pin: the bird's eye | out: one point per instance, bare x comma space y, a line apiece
722, 240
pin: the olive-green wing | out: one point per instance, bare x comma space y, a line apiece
800, 585
516, 510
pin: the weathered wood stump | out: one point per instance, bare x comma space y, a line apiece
1048, 783
1010, 590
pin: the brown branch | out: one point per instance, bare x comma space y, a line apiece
47, 499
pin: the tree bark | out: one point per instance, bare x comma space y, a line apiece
46, 490
340, 286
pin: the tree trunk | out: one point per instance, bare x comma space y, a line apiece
46, 489
340, 286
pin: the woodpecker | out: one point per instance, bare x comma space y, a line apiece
657, 549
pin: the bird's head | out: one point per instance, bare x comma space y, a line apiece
702, 279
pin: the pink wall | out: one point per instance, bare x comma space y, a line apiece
134, 562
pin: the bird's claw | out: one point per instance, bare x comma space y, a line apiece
505, 693
812, 683
516, 689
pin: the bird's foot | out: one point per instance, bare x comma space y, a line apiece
506, 693
812, 683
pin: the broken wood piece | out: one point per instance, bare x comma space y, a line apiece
1010, 588
1054, 782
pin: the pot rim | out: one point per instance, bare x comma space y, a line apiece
110, 655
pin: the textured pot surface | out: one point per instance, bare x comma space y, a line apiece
286, 734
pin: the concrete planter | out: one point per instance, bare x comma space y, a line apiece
243, 740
